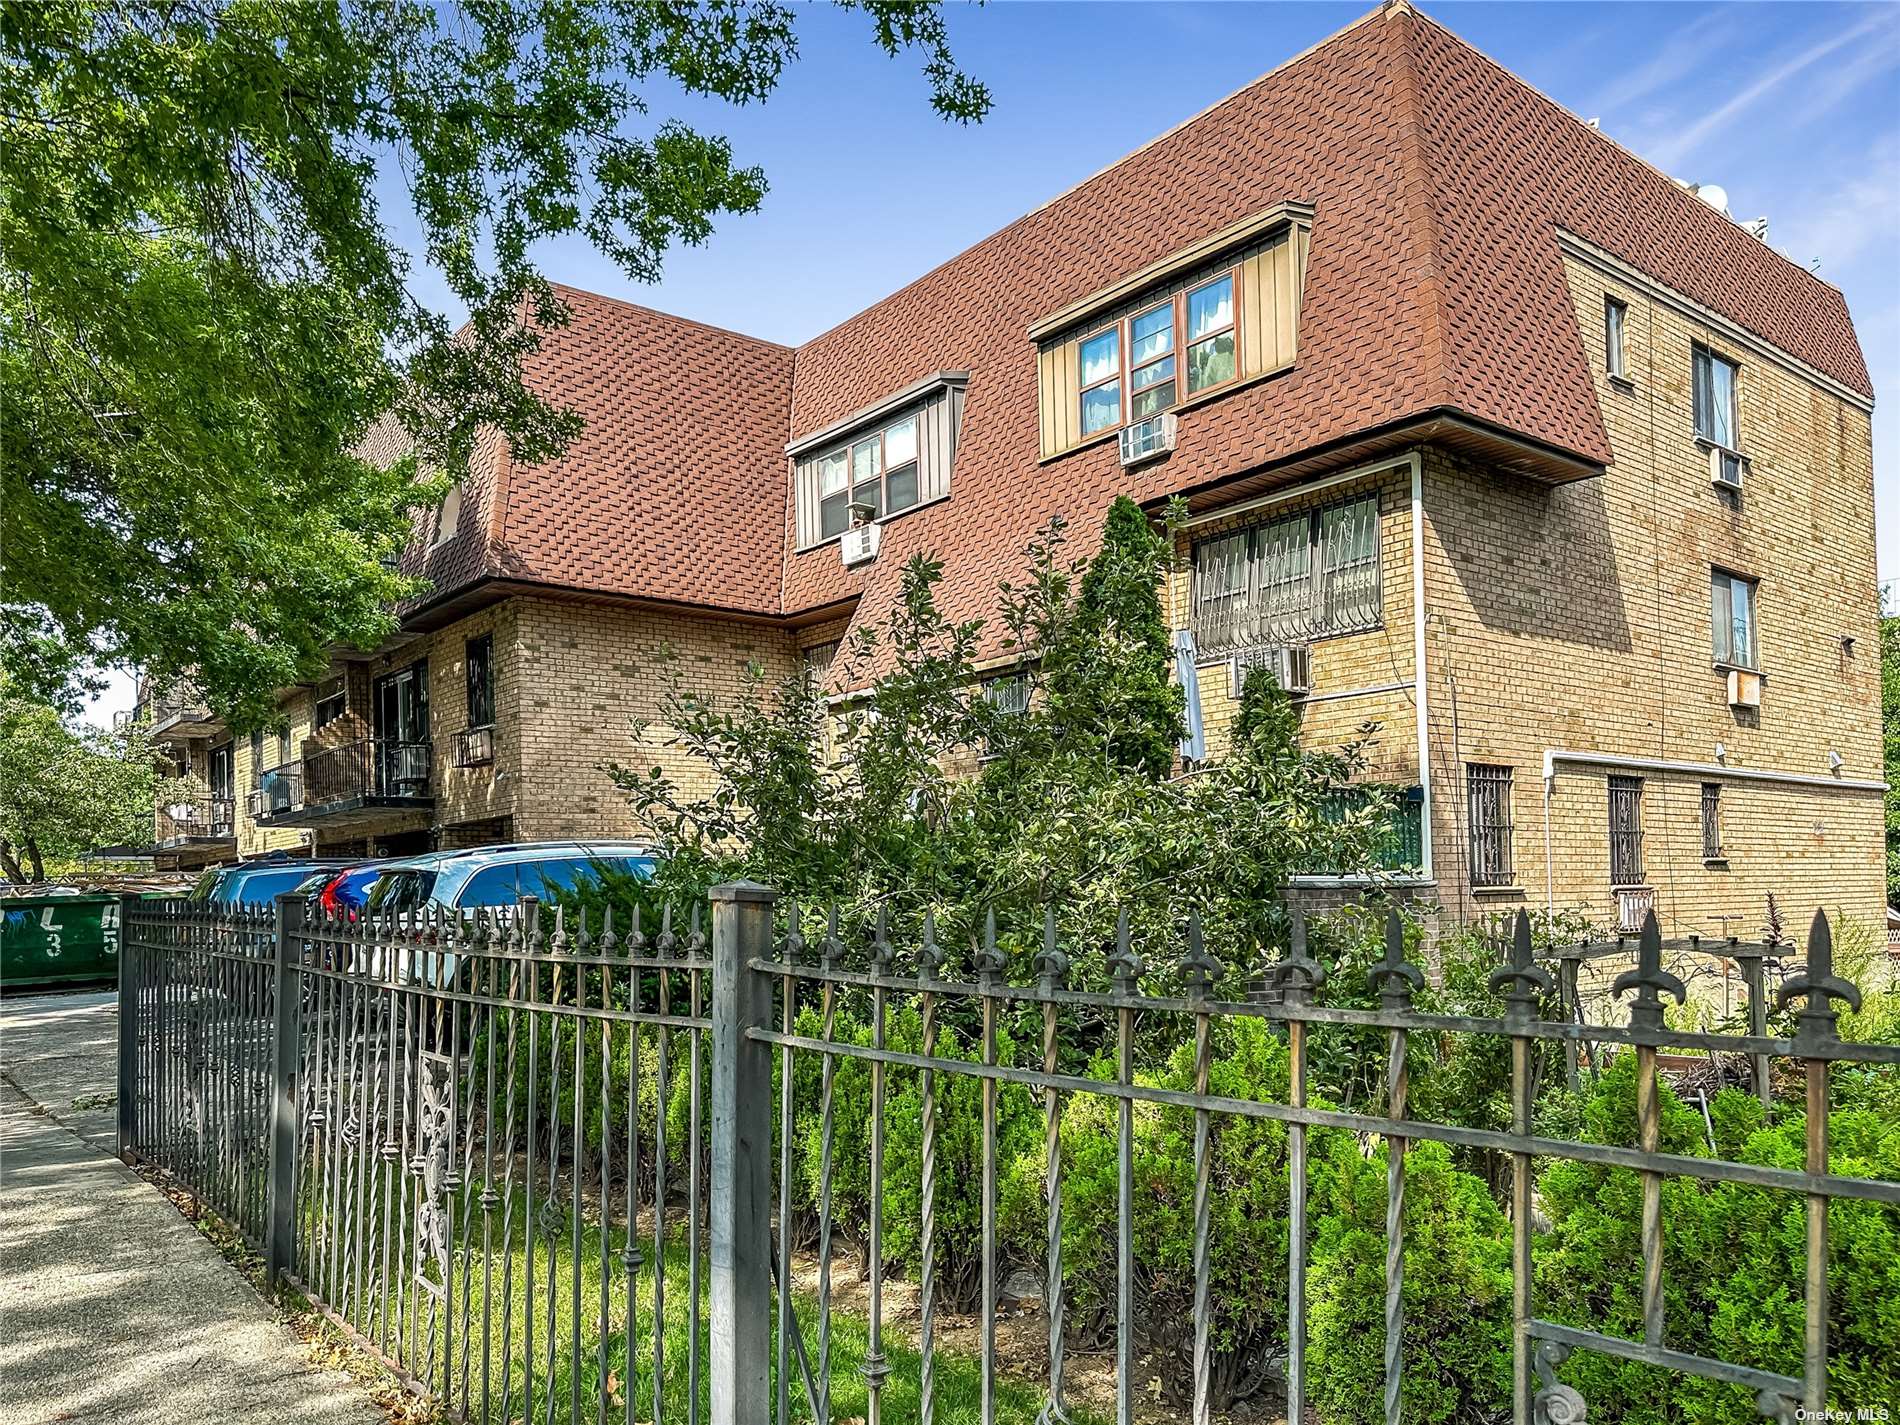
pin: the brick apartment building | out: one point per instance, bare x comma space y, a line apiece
1491, 435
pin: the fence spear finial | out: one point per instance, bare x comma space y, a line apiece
1395, 976
1817, 982
1650, 981
1521, 977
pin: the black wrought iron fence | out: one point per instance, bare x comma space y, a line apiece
555, 1170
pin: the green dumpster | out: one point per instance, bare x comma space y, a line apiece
47, 940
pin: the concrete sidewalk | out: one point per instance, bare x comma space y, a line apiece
112, 1306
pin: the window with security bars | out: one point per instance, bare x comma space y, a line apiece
1712, 821
1290, 580
1626, 831
1488, 803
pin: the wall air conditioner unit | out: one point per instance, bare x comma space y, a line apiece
1726, 468
1744, 688
858, 544
1144, 440
1290, 664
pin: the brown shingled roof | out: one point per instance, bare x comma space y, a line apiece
1434, 284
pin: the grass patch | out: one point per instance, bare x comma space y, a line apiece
488, 1290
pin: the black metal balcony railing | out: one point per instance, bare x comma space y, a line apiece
201, 819
373, 770
475, 746
159, 709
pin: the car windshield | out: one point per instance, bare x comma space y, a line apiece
207, 886
261, 887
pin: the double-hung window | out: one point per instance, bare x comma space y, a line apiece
1135, 368
878, 472
1615, 360
1715, 414
1294, 579
1210, 334
1732, 619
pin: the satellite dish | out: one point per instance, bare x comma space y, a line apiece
1714, 194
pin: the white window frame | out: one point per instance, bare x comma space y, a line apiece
1616, 314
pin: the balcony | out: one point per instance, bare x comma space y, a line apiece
167, 713
353, 781
196, 822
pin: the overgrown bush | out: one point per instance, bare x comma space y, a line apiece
1457, 1290
1733, 1257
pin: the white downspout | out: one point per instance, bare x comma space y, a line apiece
1418, 663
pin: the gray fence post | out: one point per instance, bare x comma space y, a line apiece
741, 1155
286, 1029
128, 1097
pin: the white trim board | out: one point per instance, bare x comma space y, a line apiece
1713, 771
1610, 265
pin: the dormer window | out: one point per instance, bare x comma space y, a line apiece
1200, 319
1212, 316
885, 460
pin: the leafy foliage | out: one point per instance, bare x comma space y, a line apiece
1733, 1256
923, 795
1890, 744
205, 308
66, 788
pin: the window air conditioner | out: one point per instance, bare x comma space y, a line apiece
1291, 665
1744, 688
1726, 468
1146, 439
858, 544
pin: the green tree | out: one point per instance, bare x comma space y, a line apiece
1890, 743
1105, 666
66, 788
205, 311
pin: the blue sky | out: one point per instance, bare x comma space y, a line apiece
1793, 108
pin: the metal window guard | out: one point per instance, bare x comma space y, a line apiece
431, 1126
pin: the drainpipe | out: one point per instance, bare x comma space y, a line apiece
1419, 680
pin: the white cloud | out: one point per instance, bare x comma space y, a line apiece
1681, 55
1833, 87
1858, 211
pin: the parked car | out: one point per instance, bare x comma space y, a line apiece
494, 876
257, 883
341, 892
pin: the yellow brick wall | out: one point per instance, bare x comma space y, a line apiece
590, 674
297, 708
1578, 618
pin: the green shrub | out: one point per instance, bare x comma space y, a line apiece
1457, 1292
959, 1111
1247, 1214
1733, 1258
